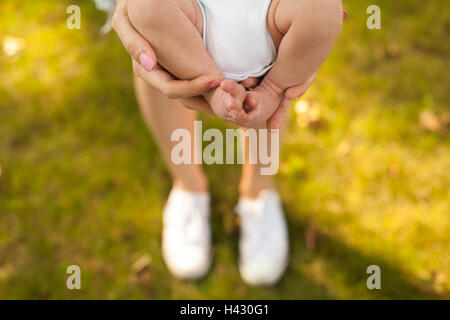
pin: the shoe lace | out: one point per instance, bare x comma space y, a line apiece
256, 224
192, 222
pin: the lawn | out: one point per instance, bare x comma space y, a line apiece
365, 172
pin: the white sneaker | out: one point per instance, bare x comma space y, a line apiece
186, 236
264, 243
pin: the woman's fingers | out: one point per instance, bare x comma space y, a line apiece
173, 88
157, 78
138, 48
296, 92
166, 83
188, 88
277, 118
197, 103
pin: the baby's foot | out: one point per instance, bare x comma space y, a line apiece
262, 102
227, 101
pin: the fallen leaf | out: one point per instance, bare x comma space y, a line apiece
311, 239
141, 264
393, 50
430, 121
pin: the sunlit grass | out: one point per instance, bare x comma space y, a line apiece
364, 178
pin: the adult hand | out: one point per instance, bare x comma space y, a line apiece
292, 93
145, 64
136, 45
276, 119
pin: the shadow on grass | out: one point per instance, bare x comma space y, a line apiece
343, 270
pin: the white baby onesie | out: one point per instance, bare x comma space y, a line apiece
236, 36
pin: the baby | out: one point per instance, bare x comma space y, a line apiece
283, 41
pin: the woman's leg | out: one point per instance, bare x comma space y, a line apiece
163, 116
264, 242
186, 254
252, 181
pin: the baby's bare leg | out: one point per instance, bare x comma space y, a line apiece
305, 32
175, 28
310, 29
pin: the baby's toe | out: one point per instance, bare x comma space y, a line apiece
237, 115
233, 114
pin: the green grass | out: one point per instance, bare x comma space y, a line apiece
82, 181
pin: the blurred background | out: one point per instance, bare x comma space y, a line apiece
364, 177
